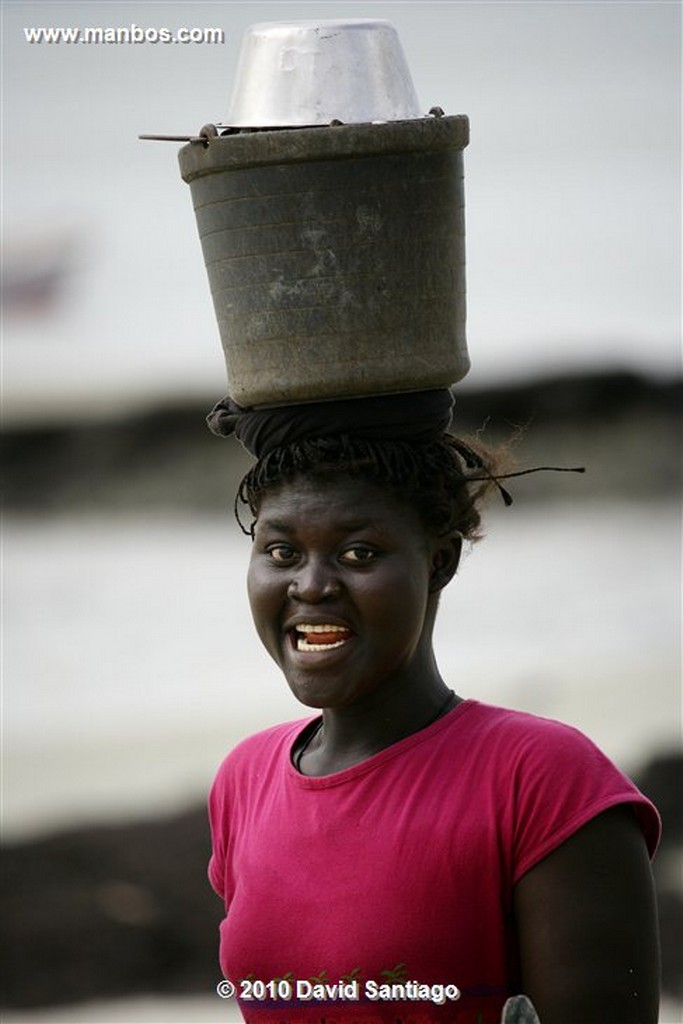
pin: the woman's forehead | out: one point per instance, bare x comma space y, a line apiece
344, 500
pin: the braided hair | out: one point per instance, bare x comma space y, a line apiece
444, 480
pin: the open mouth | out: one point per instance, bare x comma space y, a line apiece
325, 637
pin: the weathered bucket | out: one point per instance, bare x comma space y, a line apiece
335, 256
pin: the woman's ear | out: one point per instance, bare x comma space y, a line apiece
445, 561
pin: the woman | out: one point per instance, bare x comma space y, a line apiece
411, 854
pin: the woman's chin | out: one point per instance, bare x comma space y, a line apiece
313, 693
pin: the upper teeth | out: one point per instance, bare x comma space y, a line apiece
305, 627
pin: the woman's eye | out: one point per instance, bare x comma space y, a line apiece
281, 552
359, 555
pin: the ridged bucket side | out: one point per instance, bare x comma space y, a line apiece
340, 275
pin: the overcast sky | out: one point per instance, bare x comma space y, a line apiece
572, 187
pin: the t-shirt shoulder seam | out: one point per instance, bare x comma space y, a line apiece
577, 821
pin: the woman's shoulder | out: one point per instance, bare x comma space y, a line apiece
554, 772
522, 728
261, 747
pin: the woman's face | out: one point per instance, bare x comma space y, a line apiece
342, 585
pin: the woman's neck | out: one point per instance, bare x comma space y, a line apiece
351, 735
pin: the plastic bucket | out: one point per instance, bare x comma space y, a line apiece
335, 256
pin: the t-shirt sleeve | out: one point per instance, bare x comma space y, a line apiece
237, 785
560, 781
218, 820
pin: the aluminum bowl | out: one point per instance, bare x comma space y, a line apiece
307, 73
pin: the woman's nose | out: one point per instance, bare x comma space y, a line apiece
314, 581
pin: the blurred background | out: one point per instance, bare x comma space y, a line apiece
130, 663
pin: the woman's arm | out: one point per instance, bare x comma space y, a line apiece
587, 927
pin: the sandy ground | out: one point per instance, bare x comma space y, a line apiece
189, 1010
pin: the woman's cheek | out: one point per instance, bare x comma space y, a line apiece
265, 591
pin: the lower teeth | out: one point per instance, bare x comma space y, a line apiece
304, 645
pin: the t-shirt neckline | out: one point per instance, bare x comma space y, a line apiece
376, 760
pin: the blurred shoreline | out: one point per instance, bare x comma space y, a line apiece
624, 427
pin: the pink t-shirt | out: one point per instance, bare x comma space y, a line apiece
398, 871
